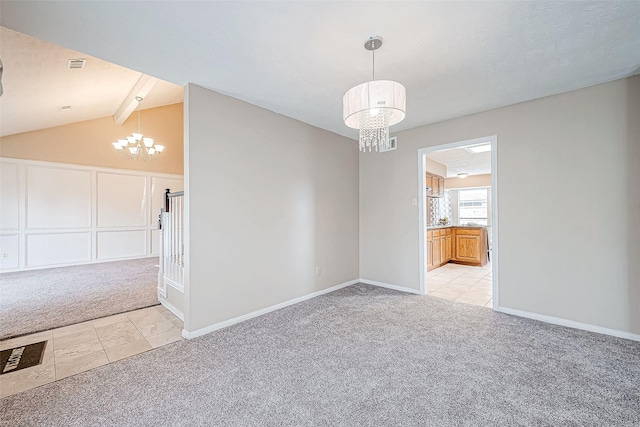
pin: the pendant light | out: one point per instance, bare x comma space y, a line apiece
374, 106
136, 146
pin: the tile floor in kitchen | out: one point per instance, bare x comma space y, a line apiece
461, 283
84, 346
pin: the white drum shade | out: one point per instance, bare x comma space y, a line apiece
377, 94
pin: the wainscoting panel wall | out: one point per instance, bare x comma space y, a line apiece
118, 244
158, 187
9, 200
10, 248
55, 214
58, 248
122, 200
58, 198
155, 242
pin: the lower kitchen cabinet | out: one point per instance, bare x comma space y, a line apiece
462, 245
429, 250
471, 246
447, 254
437, 248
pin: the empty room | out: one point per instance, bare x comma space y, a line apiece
321, 258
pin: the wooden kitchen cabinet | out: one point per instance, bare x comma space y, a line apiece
429, 248
435, 189
437, 248
470, 246
436, 185
462, 245
446, 257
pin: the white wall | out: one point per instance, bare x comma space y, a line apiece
472, 181
54, 214
268, 199
568, 202
432, 166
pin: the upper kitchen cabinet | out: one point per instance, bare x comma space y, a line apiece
435, 185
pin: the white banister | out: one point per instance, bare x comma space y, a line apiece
172, 243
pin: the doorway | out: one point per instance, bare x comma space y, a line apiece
458, 220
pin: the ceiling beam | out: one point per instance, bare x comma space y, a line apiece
142, 88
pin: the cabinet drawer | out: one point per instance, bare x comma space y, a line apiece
429, 234
467, 231
447, 231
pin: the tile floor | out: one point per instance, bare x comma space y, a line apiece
461, 283
84, 346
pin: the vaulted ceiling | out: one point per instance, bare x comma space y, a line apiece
40, 91
299, 58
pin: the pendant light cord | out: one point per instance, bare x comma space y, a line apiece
138, 116
373, 52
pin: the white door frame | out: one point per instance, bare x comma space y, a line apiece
422, 197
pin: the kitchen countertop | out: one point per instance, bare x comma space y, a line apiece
436, 227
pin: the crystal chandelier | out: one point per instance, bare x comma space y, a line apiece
373, 106
137, 146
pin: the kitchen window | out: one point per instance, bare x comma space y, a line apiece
472, 206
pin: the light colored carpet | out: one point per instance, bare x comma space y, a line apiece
361, 356
37, 300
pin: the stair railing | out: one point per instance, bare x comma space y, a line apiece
171, 242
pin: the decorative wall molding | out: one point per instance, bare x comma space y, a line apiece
57, 214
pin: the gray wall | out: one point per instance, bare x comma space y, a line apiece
568, 202
269, 199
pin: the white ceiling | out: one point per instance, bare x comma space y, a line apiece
299, 58
37, 83
459, 160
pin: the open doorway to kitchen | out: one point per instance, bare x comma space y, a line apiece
459, 221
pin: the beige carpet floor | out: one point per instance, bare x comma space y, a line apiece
360, 356
38, 300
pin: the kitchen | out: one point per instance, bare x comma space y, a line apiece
458, 212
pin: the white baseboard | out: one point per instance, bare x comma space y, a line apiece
166, 304
570, 323
390, 286
199, 332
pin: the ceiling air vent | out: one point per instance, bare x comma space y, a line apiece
74, 64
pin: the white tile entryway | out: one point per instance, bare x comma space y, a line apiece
84, 346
